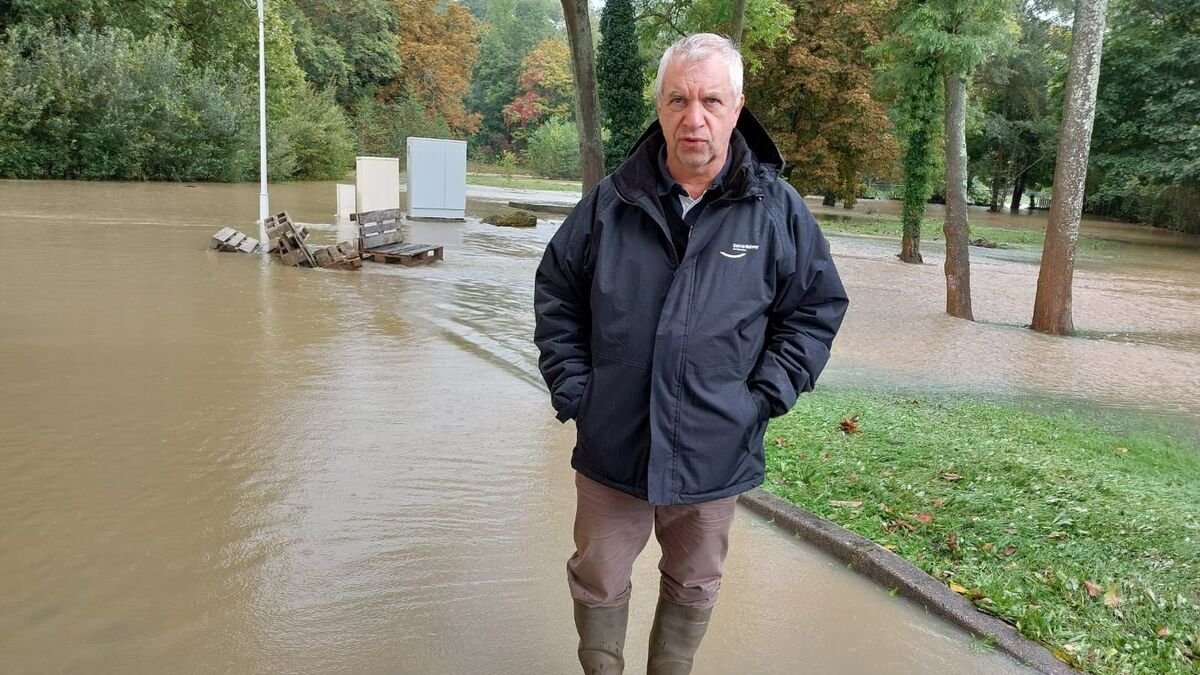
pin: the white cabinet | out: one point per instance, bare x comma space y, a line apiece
437, 178
378, 183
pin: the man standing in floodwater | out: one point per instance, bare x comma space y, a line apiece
686, 300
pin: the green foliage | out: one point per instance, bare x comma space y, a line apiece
661, 22
553, 150
346, 45
621, 79
103, 105
1145, 159
106, 105
383, 128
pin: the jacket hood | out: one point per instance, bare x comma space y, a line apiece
754, 155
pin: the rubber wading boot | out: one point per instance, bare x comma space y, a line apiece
601, 638
675, 637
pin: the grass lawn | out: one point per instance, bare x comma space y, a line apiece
1086, 539
524, 182
931, 230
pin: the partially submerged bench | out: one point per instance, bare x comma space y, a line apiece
380, 240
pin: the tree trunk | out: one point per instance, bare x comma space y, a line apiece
739, 22
1052, 305
1018, 192
958, 255
997, 173
587, 99
829, 199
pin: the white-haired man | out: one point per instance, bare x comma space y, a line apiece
687, 299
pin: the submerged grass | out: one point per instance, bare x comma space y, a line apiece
523, 182
1087, 540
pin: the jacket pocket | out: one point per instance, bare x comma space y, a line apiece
717, 425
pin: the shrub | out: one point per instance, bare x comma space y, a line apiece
553, 150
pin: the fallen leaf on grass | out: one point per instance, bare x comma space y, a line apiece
1092, 589
887, 509
922, 518
958, 588
1121, 451
1111, 600
895, 525
849, 425
890, 547
951, 476
940, 501
1058, 535
850, 505
987, 547
1164, 631
779, 441
1008, 550
952, 542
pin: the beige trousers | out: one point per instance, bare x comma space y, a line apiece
612, 528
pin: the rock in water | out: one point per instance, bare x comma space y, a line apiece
518, 219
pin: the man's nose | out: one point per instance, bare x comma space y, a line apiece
693, 115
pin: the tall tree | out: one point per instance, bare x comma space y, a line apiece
438, 51
587, 100
620, 72
814, 92
661, 22
1052, 305
547, 89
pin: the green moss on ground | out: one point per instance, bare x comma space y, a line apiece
1086, 539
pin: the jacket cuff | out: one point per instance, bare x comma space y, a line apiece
568, 411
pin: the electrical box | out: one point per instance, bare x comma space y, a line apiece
437, 178
378, 183
346, 201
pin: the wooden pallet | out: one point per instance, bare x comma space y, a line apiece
229, 240
380, 240
343, 256
287, 240
409, 255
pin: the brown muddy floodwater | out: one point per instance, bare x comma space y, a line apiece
213, 463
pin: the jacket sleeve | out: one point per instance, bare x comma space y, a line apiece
562, 328
809, 305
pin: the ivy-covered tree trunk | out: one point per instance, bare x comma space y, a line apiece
1052, 305
958, 255
621, 79
920, 114
587, 101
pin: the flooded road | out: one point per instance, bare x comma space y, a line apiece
212, 463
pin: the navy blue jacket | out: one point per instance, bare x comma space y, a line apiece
671, 368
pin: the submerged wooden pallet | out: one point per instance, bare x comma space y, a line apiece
409, 255
229, 240
380, 240
343, 256
289, 243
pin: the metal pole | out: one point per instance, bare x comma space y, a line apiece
264, 208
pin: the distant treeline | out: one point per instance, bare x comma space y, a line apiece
167, 90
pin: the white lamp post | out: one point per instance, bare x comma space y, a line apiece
264, 209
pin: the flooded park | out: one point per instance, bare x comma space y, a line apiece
216, 463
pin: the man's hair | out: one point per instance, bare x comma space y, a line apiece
700, 47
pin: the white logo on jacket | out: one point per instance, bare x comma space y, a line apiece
740, 250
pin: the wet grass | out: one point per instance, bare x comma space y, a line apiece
931, 230
1086, 539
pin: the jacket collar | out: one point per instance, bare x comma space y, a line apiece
753, 159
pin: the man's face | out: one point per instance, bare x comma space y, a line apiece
698, 111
